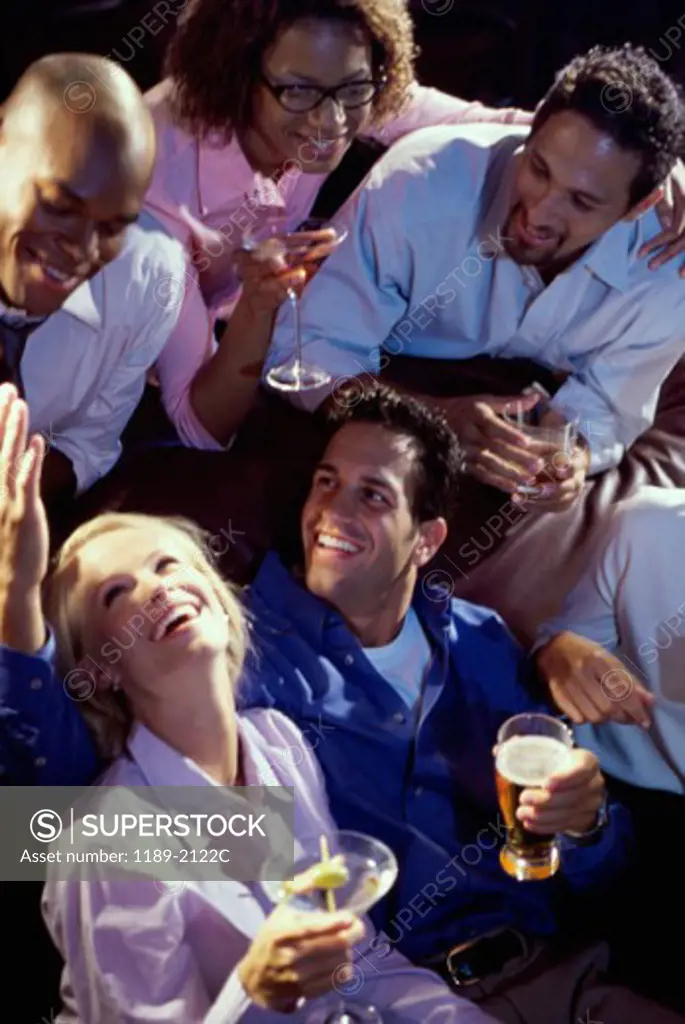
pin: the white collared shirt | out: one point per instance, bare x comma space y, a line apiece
631, 599
84, 368
423, 273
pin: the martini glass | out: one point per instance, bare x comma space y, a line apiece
371, 872
298, 250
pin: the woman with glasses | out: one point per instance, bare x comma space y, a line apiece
262, 102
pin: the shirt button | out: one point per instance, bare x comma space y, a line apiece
36, 684
418, 790
40, 762
349, 659
399, 718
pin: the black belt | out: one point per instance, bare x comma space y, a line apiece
480, 958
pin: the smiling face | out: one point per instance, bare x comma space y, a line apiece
573, 184
362, 543
322, 54
145, 607
70, 188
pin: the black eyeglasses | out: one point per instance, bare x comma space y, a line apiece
300, 99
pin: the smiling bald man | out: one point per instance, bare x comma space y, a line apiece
88, 286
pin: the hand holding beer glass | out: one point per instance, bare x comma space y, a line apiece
531, 748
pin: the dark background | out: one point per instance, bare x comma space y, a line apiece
499, 51
503, 52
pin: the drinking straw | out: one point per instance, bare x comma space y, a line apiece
330, 895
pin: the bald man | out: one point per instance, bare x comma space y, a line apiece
88, 286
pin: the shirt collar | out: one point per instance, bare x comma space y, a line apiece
19, 317
290, 605
80, 304
161, 765
225, 177
609, 258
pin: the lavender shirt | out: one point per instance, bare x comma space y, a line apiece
135, 954
222, 191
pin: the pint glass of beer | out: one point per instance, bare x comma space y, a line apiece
530, 749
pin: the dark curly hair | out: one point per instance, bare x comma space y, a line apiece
626, 95
438, 454
215, 57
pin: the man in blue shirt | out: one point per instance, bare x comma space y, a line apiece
401, 692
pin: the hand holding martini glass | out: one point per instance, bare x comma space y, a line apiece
305, 248
348, 871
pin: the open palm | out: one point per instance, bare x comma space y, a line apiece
24, 537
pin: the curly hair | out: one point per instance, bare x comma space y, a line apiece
438, 453
626, 95
215, 57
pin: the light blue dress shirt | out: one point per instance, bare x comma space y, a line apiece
423, 272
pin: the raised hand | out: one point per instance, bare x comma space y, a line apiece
24, 537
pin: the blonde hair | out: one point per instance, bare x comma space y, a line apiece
107, 712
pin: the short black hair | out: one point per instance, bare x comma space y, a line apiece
438, 454
625, 94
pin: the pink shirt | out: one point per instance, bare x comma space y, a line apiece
135, 953
219, 188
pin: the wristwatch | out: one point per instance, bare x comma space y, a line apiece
597, 829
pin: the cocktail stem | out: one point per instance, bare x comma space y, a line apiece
297, 321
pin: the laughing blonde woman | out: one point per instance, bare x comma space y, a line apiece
163, 713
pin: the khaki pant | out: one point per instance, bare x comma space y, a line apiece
545, 989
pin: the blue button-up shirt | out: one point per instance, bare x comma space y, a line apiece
43, 737
422, 782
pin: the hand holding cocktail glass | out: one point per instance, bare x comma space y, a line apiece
553, 439
294, 944
347, 871
546, 787
518, 445
300, 254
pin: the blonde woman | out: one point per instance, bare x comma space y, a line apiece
163, 712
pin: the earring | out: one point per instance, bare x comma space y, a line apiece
116, 684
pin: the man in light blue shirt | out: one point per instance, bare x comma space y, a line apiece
488, 240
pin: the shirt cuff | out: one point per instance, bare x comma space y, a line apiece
11, 658
88, 467
592, 834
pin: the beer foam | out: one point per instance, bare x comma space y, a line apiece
530, 760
